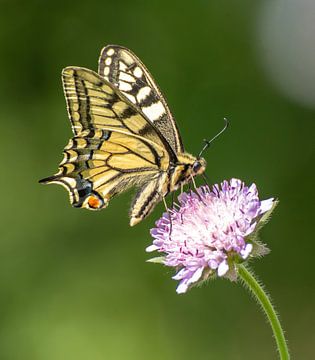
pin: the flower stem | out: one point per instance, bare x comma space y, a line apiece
257, 290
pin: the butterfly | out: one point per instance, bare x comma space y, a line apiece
124, 136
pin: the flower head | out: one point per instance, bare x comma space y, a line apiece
210, 231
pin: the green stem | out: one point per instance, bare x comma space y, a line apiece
252, 284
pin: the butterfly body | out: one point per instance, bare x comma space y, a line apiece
124, 136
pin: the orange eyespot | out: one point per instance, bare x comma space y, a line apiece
94, 202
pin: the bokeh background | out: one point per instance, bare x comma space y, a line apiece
74, 284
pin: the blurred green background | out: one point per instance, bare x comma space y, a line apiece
74, 284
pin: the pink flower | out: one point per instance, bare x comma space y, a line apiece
210, 231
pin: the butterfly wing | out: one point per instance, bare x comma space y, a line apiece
113, 148
122, 68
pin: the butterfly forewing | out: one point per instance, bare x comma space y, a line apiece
123, 69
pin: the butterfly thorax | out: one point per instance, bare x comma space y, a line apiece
185, 169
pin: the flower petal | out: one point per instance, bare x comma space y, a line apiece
196, 276
248, 249
182, 287
181, 274
266, 205
151, 248
223, 268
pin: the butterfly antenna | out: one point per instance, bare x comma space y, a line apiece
208, 142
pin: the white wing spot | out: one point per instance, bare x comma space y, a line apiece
127, 58
110, 52
122, 66
108, 61
124, 86
154, 111
106, 71
131, 98
137, 72
143, 93
126, 77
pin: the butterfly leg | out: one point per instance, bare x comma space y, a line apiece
169, 213
190, 187
165, 204
175, 205
194, 183
197, 190
172, 207
173, 195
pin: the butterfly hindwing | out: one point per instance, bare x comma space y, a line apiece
122, 68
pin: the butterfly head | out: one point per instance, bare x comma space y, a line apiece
187, 167
190, 165
198, 166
